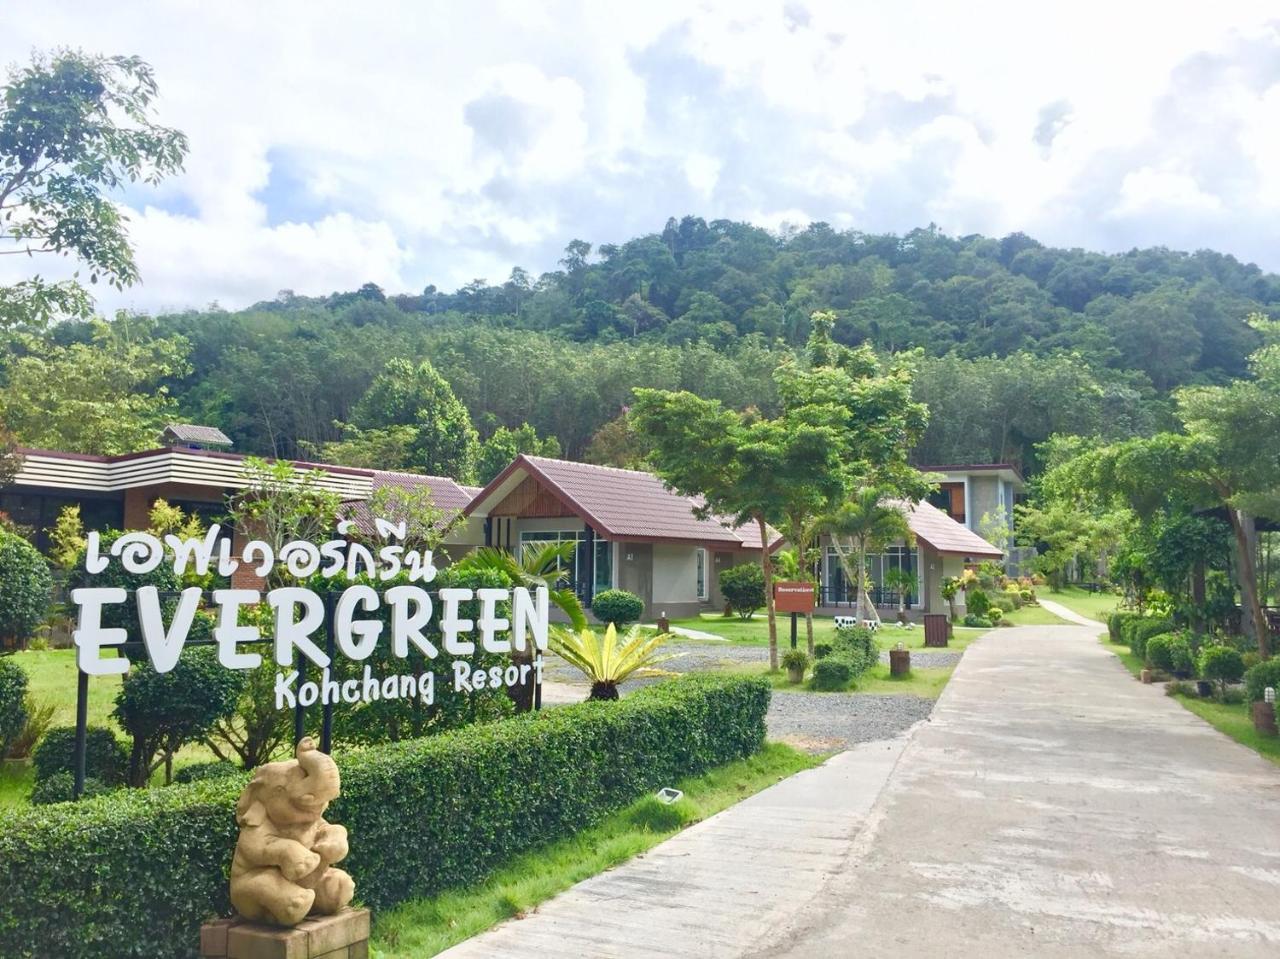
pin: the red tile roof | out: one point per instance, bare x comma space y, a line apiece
627, 504
446, 495
945, 535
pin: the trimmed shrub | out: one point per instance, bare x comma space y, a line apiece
1116, 621
857, 645
833, 673
1135, 632
198, 772
61, 787
821, 650
13, 703
617, 606
980, 622
163, 711
995, 614
1221, 664
105, 756
25, 589
1171, 653
976, 602
743, 588
1005, 604
1259, 677
133, 874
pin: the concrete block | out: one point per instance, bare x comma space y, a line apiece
213, 938
328, 933
251, 940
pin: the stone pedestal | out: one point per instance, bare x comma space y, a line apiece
1264, 718
344, 936
899, 662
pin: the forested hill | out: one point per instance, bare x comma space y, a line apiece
1019, 340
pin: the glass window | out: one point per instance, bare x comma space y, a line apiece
702, 573
604, 565
535, 539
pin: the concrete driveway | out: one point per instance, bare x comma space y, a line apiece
1056, 807
1052, 806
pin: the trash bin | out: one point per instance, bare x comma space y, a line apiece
935, 630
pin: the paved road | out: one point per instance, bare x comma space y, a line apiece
1052, 807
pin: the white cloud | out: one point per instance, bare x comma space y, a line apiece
408, 144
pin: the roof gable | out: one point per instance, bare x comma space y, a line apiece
618, 503
945, 535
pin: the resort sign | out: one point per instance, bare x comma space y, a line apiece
507, 618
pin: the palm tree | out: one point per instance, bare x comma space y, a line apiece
866, 521
902, 582
542, 566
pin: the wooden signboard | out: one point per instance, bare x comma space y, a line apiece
793, 597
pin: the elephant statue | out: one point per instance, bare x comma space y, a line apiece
283, 865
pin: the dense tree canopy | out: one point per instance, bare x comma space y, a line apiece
1016, 341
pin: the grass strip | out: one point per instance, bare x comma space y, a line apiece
428, 926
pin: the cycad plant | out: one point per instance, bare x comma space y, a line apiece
604, 659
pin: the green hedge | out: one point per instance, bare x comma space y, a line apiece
1116, 621
133, 873
1135, 631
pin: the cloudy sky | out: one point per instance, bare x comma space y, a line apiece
408, 143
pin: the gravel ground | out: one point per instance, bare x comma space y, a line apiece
818, 722
927, 659
823, 722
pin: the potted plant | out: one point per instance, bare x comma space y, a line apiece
795, 662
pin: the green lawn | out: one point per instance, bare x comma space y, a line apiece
429, 926
51, 678
1094, 605
755, 631
926, 683
1033, 616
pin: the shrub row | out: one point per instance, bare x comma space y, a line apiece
134, 873
1133, 630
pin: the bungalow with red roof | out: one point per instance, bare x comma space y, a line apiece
631, 531
941, 548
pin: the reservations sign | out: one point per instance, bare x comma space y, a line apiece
793, 597
299, 613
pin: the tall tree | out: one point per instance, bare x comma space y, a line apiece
109, 395
411, 412
72, 128
743, 466
503, 445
